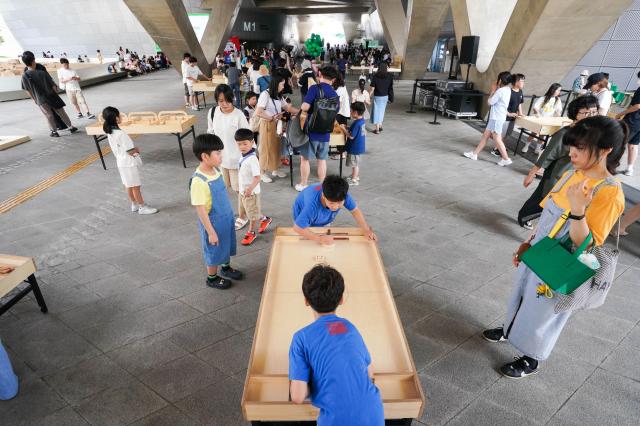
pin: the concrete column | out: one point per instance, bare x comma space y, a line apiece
426, 18
394, 23
218, 29
167, 23
543, 39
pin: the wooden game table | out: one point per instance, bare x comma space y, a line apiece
24, 270
368, 304
200, 87
541, 128
177, 123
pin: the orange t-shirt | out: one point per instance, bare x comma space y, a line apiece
605, 208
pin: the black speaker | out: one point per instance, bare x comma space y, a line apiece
469, 49
461, 101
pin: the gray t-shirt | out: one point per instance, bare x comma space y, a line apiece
39, 84
233, 75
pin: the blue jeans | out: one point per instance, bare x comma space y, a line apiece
8, 380
236, 94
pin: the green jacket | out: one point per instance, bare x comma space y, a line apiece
554, 160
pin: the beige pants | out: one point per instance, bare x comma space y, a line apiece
268, 146
251, 205
77, 100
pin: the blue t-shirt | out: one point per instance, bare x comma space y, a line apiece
342, 64
309, 98
357, 129
309, 211
331, 357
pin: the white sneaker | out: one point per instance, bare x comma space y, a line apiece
300, 187
353, 182
629, 171
278, 173
525, 148
266, 179
147, 210
134, 207
195, 108
470, 155
506, 162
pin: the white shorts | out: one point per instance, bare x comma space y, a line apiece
130, 176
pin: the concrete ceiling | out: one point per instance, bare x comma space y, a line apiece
308, 7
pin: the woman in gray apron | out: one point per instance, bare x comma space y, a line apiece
594, 201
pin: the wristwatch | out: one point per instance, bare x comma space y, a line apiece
576, 217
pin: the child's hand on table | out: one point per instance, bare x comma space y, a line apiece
371, 235
213, 239
6, 269
325, 240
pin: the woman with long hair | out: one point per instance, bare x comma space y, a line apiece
382, 91
595, 202
270, 109
548, 105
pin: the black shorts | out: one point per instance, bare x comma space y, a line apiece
341, 119
634, 136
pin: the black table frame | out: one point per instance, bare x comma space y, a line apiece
99, 138
204, 99
33, 286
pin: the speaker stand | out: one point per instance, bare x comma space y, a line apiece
466, 82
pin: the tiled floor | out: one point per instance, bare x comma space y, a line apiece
134, 337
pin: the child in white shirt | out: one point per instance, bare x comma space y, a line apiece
69, 80
249, 185
127, 159
192, 72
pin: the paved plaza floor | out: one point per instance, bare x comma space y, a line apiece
133, 336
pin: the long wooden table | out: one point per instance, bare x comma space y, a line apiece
177, 123
24, 270
368, 304
541, 128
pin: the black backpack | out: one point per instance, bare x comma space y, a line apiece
324, 113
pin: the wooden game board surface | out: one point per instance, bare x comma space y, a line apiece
145, 122
368, 304
24, 267
9, 141
544, 126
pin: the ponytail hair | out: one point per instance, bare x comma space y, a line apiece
597, 133
110, 116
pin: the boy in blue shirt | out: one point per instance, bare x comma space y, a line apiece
318, 205
356, 142
215, 216
329, 361
318, 146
